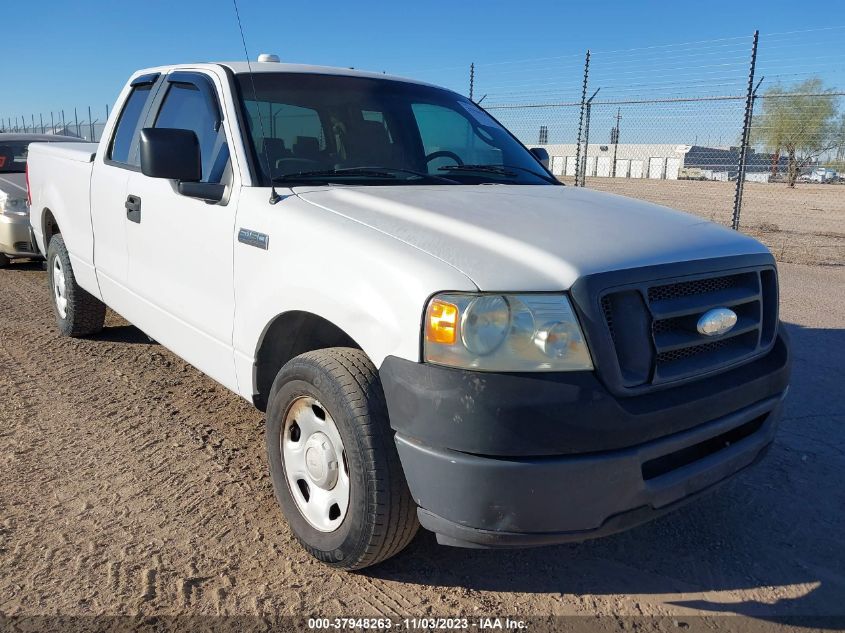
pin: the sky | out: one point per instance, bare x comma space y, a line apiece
80, 55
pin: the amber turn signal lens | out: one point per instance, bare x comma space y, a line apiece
441, 325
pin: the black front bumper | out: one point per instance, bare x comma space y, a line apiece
499, 460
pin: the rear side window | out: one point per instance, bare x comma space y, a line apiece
125, 139
185, 107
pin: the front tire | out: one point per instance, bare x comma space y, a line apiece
78, 313
333, 461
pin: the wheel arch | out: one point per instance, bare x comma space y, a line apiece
49, 226
288, 335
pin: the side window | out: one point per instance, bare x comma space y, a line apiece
293, 123
377, 117
185, 107
129, 127
444, 129
292, 137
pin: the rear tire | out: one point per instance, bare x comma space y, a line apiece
374, 517
78, 313
4, 261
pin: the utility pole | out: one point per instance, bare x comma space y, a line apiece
616, 138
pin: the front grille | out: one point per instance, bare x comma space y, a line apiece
687, 288
689, 352
607, 308
653, 326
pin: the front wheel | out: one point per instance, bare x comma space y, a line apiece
333, 461
78, 313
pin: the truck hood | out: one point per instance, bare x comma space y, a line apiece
512, 237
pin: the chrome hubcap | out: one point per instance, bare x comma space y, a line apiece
315, 464
59, 291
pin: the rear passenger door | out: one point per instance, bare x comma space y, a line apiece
181, 248
109, 179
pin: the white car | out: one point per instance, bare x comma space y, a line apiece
439, 331
15, 238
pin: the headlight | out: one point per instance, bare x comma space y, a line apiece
488, 332
12, 206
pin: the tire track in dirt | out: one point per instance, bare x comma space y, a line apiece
131, 483
169, 439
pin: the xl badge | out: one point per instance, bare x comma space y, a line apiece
716, 321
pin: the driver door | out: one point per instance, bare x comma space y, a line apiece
181, 248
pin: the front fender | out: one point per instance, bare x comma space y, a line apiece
369, 284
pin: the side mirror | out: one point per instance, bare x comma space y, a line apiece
542, 155
175, 155
172, 154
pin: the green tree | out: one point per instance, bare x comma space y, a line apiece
798, 121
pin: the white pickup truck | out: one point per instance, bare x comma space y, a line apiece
439, 331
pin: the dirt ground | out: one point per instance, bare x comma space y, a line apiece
132, 484
804, 225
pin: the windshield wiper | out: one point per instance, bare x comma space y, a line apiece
502, 170
324, 175
321, 174
421, 174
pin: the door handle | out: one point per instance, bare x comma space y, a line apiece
133, 209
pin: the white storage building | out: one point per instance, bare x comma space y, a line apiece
656, 161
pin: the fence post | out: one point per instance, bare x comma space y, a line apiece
471, 80
589, 111
615, 140
581, 118
746, 134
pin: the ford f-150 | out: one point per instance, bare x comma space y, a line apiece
439, 331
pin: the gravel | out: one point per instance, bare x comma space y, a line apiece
133, 484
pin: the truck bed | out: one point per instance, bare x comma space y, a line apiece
59, 185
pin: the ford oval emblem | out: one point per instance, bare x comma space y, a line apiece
716, 321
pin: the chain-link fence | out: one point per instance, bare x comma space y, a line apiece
89, 128
747, 131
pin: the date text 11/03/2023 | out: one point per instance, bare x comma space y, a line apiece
415, 624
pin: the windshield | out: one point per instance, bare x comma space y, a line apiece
310, 128
13, 156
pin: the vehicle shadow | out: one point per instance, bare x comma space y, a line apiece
771, 538
127, 334
26, 264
